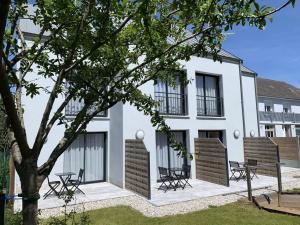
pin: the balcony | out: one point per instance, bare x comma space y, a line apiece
209, 106
75, 106
171, 103
279, 117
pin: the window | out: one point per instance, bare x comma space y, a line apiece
209, 102
87, 152
75, 106
298, 130
268, 108
286, 110
165, 156
286, 130
171, 98
269, 131
211, 134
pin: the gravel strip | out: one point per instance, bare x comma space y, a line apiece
148, 209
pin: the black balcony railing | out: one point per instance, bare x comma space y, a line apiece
209, 106
75, 106
279, 117
171, 103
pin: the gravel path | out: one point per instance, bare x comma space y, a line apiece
148, 209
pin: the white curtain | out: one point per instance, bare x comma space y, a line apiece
94, 157
74, 155
160, 95
200, 95
163, 153
175, 97
86, 152
175, 160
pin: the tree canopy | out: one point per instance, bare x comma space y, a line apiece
101, 52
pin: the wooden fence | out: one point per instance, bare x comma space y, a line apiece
288, 147
265, 151
137, 168
211, 161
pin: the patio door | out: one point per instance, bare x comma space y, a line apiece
165, 154
87, 152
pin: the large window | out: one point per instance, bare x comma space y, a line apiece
75, 106
287, 132
270, 131
165, 155
209, 102
87, 152
171, 98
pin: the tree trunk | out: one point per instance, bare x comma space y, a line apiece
30, 190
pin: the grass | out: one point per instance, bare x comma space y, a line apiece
232, 214
294, 190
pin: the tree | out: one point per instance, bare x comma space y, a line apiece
102, 51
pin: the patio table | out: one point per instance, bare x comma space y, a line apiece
64, 177
176, 172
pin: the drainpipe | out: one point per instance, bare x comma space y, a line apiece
242, 100
256, 99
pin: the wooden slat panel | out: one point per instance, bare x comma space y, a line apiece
265, 151
137, 168
288, 147
211, 161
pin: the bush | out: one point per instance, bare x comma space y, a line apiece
12, 218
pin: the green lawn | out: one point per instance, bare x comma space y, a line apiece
233, 214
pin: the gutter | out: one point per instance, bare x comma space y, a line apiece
257, 110
242, 101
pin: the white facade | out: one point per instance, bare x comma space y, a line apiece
283, 117
236, 94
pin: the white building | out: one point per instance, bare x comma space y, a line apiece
279, 108
219, 101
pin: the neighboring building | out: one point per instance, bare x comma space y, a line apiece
279, 108
220, 101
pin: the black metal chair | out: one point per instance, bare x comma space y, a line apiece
75, 183
237, 172
252, 163
185, 176
53, 186
166, 179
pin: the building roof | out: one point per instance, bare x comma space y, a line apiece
244, 69
277, 89
223, 53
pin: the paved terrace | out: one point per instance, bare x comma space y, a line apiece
203, 194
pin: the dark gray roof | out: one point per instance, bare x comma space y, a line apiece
244, 69
194, 40
277, 89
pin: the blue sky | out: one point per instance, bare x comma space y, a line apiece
275, 52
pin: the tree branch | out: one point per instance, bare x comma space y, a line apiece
39, 137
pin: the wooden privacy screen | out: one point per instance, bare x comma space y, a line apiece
137, 168
211, 161
265, 151
288, 147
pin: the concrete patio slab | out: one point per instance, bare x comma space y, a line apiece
203, 189
93, 192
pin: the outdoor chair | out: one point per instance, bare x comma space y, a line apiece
237, 172
75, 183
166, 179
185, 176
53, 188
252, 163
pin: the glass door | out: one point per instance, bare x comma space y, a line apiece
166, 156
87, 152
